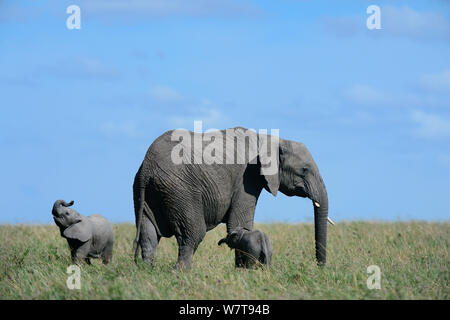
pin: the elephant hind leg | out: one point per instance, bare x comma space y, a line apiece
148, 240
188, 244
107, 254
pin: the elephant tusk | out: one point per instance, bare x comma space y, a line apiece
328, 218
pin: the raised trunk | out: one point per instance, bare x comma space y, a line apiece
57, 204
320, 227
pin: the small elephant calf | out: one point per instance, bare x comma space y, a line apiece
88, 237
250, 246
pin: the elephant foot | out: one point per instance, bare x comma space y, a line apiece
148, 254
244, 260
181, 267
78, 261
185, 254
149, 261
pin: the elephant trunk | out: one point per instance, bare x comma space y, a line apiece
65, 204
59, 203
320, 225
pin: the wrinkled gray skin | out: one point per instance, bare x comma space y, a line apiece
88, 237
187, 200
250, 246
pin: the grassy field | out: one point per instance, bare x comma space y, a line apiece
413, 257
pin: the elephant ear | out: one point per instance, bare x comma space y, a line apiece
262, 148
269, 157
80, 231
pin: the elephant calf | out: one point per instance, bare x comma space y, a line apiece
88, 237
250, 246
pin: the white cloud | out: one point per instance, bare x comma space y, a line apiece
420, 99
342, 26
126, 128
185, 109
166, 94
17, 13
444, 159
356, 119
395, 21
365, 95
405, 21
211, 118
95, 67
133, 9
19, 80
439, 82
83, 68
430, 125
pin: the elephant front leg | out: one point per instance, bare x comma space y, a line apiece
242, 209
244, 259
76, 259
241, 217
240, 260
80, 254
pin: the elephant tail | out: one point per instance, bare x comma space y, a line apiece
139, 209
139, 200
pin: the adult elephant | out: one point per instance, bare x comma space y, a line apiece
184, 191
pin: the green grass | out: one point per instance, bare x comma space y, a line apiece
413, 257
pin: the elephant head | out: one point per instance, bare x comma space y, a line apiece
63, 215
298, 175
233, 239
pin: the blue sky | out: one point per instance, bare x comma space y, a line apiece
80, 107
